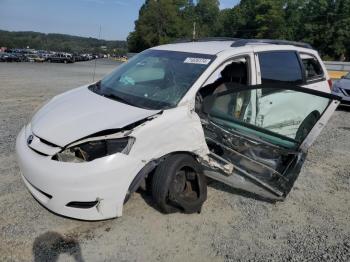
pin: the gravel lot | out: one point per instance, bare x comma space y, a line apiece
313, 224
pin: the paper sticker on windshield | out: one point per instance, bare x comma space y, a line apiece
198, 61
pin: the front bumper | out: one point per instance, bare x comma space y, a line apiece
55, 184
344, 94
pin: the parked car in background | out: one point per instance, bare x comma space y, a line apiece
122, 58
80, 57
85, 57
35, 58
61, 58
45, 55
7, 57
20, 57
342, 89
4, 57
89, 56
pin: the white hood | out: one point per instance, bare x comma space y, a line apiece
79, 113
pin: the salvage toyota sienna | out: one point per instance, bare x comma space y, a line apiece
242, 112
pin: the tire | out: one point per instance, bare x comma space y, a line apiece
178, 185
306, 126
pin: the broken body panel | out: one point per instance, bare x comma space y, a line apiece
263, 154
106, 179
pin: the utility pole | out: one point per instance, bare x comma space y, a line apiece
194, 32
99, 38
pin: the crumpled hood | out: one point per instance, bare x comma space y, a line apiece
80, 112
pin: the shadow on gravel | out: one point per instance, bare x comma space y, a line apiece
235, 191
49, 246
147, 195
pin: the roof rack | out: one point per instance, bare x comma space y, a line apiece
204, 39
244, 42
239, 42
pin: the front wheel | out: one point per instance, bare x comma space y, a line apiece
178, 184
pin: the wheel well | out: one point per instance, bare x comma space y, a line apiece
147, 171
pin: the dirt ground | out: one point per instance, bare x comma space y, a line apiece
313, 224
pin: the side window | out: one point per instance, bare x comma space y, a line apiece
284, 117
280, 66
312, 67
233, 71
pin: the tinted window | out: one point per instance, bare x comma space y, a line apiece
280, 66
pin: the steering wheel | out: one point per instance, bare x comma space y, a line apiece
169, 82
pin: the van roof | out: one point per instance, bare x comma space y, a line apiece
210, 47
215, 46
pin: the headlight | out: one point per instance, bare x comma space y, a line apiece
91, 150
336, 88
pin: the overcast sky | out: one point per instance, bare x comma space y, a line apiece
75, 17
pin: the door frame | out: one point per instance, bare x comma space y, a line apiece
299, 152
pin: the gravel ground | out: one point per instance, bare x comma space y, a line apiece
313, 224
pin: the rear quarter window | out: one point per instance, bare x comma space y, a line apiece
312, 67
280, 66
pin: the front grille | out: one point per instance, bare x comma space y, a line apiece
346, 92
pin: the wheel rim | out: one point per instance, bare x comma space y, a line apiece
185, 187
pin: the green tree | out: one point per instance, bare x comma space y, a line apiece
207, 17
260, 18
325, 24
159, 22
55, 42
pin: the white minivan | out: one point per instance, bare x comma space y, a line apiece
243, 112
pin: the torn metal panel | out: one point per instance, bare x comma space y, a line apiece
176, 130
260, 162
237, 181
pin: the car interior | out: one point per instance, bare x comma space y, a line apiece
262, 153
234, 72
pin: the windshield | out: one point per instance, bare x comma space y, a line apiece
347, 76
154, 79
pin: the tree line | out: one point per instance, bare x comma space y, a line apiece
60, 42
325, 24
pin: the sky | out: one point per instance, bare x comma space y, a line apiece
75, 17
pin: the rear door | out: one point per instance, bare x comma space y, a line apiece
264, 132
289, 66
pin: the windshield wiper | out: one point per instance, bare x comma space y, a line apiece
118, 98
95, 87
